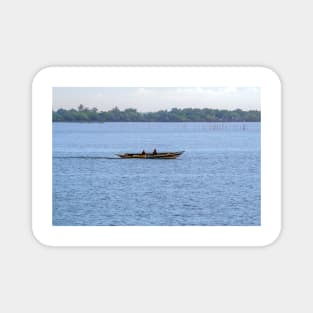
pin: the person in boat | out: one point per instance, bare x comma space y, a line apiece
154, 152
143, 152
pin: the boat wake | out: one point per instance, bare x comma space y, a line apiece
98, 158
86, 157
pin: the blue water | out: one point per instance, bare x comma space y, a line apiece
215, 182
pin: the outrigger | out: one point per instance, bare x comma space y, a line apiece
159, 155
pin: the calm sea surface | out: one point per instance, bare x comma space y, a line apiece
215, 182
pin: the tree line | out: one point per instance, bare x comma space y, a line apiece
84, 114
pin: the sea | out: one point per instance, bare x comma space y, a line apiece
215, 182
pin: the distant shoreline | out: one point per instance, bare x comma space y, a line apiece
86, 115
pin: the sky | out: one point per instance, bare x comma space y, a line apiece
154, 99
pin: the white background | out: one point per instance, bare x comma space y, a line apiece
35, 34
262, 77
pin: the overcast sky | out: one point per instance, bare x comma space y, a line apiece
154, 99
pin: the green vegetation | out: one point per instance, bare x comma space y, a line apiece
84, 114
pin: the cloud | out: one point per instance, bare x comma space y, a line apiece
232, 90
153, 99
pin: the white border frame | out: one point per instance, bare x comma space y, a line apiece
261, 77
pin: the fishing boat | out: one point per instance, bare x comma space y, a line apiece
159, 155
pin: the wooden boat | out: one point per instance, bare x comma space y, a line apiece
159, 155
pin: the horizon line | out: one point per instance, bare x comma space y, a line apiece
132, 108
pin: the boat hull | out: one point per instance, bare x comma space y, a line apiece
162, 155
